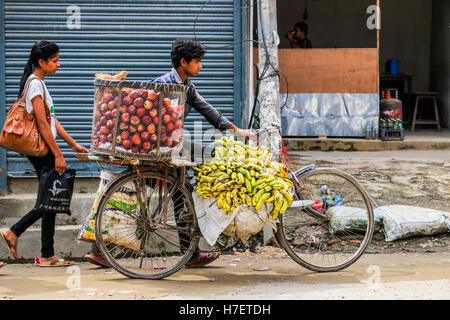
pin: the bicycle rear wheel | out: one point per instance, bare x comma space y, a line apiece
141, 235
332, 237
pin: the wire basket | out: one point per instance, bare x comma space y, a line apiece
138, 120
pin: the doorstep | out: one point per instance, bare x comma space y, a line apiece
418, 140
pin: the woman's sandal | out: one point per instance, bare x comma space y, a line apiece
202, 258
2, 264
38, 261
10, 247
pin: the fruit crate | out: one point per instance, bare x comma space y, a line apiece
138, 120
390, 134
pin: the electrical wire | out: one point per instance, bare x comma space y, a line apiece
276, 70
259, 76
220, 47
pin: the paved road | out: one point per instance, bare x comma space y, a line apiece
414, 275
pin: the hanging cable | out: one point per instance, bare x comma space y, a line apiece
262, 75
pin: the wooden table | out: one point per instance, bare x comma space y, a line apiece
401, 77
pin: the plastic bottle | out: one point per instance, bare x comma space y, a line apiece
390, 123
338, 200
257, 121
368, 131
373, 132
325, 190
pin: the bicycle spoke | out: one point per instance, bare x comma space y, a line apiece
305, 232
143, 243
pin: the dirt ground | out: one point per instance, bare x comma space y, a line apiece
267, 274
413, 178
412, 268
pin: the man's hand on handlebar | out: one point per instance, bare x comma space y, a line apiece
247, 134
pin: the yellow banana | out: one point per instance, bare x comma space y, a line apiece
248, 185
278, 201
261, 200
261, 186
287, 195
225, 185
271, 199
207, 179
284, 206
248, 200
220, 142
257, 196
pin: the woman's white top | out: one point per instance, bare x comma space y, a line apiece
34, 89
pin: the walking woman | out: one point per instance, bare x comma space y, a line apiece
43, 61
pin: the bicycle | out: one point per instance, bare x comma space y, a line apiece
146, 226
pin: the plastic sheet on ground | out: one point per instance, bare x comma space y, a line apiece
396, 221
401, 221
343, 218
239, 224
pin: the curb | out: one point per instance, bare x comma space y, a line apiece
329, 144
66, 244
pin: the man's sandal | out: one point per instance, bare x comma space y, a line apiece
97, 260
202, 258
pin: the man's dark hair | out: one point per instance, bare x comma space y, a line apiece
186, 48
302, 26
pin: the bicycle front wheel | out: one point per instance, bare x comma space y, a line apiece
333, 233
141, 234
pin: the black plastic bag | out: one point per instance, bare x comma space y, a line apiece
55, 191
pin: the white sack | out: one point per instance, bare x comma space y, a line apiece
401, 221
344, 218
239, 224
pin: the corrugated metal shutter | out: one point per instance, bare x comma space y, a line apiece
135, 36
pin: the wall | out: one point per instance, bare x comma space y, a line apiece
440, 58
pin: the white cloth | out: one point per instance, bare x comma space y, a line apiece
34, 89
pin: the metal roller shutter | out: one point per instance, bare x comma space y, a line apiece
135, 36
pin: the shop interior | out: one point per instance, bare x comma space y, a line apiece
406, 59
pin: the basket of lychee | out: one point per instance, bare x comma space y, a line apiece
137, 120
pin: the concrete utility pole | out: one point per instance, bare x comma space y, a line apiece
269, 88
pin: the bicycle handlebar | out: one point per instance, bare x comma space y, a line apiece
264, 130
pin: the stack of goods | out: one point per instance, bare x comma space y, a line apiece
244, 175
137, 119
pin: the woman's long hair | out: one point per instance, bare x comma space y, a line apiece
41, 50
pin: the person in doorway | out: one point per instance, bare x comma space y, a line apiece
43, 61
298, 37
186, 55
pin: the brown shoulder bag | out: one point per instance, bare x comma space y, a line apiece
20, 132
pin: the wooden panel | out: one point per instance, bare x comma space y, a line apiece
328, 70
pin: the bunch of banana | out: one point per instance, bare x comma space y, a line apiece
242, 174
